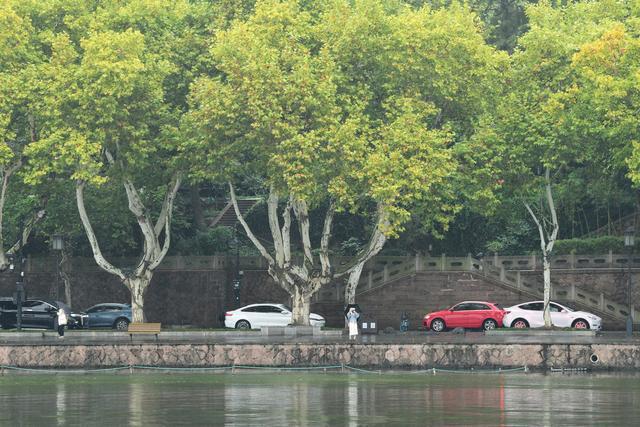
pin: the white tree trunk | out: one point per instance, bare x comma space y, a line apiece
547, 291
138, 288
301, 307
547, 240
376, 243
352, 284
300, 281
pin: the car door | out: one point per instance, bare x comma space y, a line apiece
28, 315
533, 314
251, 315
477, 315
265, 316
278, 316
456, 316
559, 316
99, 317
37, 314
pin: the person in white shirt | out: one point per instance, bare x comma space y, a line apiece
62, 322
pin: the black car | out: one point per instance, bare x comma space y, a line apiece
36, 313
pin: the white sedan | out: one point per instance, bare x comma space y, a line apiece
256, 316
530, 315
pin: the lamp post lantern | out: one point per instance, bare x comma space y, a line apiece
629, 241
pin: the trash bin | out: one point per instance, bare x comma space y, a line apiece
368, 326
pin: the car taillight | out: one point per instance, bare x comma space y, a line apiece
507, 312
228, 313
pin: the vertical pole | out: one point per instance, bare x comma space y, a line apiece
630, 314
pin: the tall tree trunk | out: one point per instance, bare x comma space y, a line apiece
375, 245
547, 240
301, 307
138, 288
546, 274
64, 274
352, 284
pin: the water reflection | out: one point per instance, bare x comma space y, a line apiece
319, 399
352, 402
61, 403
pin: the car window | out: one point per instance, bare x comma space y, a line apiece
253, 309
555, 308
36, 305
113, 308
462, 307
272, 309
478, 306
533, 306
96, 309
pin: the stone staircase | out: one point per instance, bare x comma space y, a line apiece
227, 216
384, 271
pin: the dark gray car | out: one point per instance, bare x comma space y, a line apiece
36, 313
106, 315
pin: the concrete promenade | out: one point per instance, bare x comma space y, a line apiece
413, 350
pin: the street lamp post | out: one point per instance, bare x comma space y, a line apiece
18, 296
57, 244
629, 240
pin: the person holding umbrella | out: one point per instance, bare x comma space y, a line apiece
352, 320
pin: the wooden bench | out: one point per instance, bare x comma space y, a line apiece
144, 328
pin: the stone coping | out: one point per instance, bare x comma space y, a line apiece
541, 332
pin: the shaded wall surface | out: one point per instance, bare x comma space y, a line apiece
416, 356
196, 291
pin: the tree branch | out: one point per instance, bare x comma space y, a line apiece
274, 226
93, 241
263, 251
302, 214
376, 242
167, 204
325, 262
286, 232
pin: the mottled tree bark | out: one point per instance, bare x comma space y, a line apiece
547, 240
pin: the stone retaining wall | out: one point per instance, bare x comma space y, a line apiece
376, 356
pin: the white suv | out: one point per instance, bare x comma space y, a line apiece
530, 315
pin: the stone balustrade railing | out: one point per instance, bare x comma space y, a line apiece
383, 270
572, 261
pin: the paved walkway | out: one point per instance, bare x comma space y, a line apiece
326, 337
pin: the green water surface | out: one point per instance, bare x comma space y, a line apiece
324, 399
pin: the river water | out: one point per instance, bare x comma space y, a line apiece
324, 399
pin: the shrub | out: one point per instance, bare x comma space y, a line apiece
591, 246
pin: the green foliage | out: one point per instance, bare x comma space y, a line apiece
592, 246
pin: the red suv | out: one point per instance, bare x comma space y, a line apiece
467, 314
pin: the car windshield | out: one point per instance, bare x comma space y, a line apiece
567, 307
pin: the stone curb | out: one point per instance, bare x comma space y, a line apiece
539, 333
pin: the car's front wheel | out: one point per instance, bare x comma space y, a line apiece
489, 324
243, 324
437, 325
580, 324
121, 324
